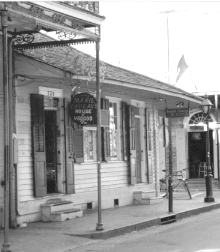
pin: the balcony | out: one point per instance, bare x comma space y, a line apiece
80, 18
88, 6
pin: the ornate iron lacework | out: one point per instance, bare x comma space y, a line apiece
36, 11
200, 118
65, 35
90, 6
24, 38
11, 5
58, 18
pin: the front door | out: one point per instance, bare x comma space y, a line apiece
51, 150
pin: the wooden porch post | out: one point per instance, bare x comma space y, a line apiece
4, 21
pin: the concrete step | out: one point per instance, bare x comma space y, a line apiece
146, 197
58, 210
66, 214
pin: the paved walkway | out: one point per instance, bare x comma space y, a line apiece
63, 236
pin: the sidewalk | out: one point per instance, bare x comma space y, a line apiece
63, 236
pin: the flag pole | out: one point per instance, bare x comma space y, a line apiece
168, 51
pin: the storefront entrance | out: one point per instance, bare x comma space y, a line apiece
197, 153
51, 150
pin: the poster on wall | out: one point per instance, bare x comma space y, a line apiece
83, 109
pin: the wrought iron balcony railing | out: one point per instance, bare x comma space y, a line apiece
89, 6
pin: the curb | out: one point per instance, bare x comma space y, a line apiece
166, 219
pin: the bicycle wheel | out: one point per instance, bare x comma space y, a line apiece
162, 185
187, 189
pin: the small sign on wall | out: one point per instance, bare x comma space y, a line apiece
51, 92
178, 112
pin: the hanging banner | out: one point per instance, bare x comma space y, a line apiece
179, 112
83, 109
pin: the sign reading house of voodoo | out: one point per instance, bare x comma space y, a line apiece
83, 109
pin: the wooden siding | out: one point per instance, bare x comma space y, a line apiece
25, 165
113, 175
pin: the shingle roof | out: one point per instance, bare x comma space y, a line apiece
78, 63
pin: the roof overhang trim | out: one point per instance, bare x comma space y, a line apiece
52, 44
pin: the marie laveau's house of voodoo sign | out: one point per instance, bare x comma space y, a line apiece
83, 109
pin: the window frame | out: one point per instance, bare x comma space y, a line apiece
118, 134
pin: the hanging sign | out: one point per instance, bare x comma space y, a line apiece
83, 109
179, 112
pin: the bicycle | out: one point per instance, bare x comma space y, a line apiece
178, 175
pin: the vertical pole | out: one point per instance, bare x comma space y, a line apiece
217, 138
99, 225
4, 21
168, 51
209, 194
170, 169
12, 207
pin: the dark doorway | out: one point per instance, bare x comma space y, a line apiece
51, 147
197, 152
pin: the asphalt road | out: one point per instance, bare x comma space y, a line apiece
200, 233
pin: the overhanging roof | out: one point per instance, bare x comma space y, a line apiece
81, 65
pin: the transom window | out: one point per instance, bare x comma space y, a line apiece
200, 118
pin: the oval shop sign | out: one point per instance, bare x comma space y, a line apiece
83, 109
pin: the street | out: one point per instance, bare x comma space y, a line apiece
195, 234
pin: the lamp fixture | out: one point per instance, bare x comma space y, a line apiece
206, 105
180, 104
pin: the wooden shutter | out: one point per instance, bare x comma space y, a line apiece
148, 132
125, 128
69, 153
38, 145
105, 134
78, 143
132, 162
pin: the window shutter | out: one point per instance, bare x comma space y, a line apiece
69, 150
149, 153
124, 127
132, 162
78, 142
105, 136
38, 145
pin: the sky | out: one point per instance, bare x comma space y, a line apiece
149, 37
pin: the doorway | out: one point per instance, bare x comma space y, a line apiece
51, 150
197, 152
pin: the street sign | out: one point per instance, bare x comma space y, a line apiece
178, 112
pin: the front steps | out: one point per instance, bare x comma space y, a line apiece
146, 197
57, 210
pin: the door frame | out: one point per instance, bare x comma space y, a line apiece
185, 125
141, 106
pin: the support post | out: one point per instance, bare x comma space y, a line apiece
12, 207
170, 170
4, 22
209, 193
99, 225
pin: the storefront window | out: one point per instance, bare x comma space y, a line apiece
113, 129
89, 139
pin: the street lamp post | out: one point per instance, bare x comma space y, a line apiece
206, 106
